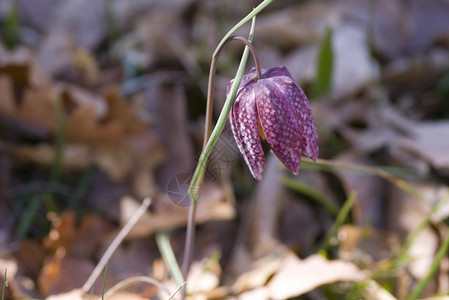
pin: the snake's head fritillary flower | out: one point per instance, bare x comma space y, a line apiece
274, 108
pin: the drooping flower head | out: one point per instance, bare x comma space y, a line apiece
274, 108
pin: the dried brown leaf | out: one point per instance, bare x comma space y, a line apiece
74, 96
37, 107
81, 240
63, 273
168, 215
74, 157
296, 277
366, 246
62, 234
76, 294
202, 278
260, 272
21, 66
83, 126
86, 67
7, 103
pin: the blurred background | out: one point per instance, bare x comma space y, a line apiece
102, 103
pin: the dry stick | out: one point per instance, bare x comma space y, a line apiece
177, 290
190, 235
135, 279
115, 243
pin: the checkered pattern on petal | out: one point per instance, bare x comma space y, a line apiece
251, 76
244, 125
302, 110
277, 72
279, 123
282, 108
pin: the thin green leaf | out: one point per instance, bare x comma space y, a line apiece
339, 220
330, 165
104, 281
423, 283
325, 66
166, 250
82, 188
5, 284
312, 193
11, 27
195, 184
30, 212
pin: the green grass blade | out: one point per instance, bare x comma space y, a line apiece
339, 220
82, 188
421, 286
312, 193
11, 27
195, 185
331, 165
30, 212
104, 281
325, 65
5, 285
163, 243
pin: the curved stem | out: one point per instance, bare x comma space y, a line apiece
210, 88
135, 279
251, 49
209, 141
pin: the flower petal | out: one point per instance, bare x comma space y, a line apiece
252, 75
279, 123
302, 110
244, 125
277, 72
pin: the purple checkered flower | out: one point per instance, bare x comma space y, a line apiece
274, 108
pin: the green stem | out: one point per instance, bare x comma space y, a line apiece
209, 142
252, 14
310, 192
11, 26
190, 239
400, 183
5, 284
200, 169
197, 179
104, 281
163, 243
60, 141
210, 88
405, 256
339, 220
59, 153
